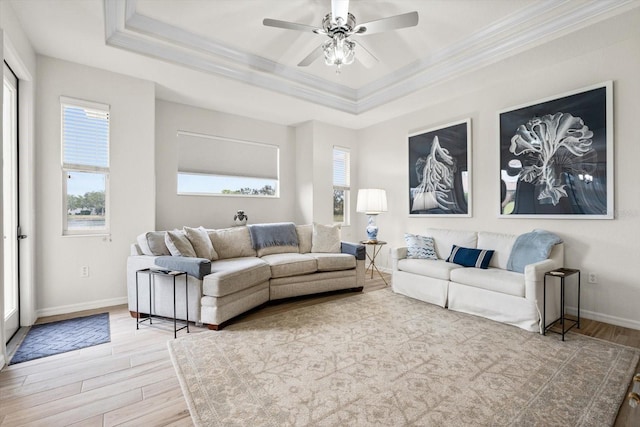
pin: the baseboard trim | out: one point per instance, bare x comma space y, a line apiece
606, 318
72, 308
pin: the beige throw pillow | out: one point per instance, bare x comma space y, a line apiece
326, 238
152, 243
305, 237
199, 239
178, 244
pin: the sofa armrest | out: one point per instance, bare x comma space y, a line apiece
355, 249
534, 284
396, 255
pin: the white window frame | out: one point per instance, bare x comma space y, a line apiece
347, 184
69, 168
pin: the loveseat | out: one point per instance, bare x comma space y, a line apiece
310, 259
499, 292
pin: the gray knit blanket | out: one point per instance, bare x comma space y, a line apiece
276, 234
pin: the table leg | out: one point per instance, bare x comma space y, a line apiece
562, 305
544, 306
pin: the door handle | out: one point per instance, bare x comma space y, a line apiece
22, 236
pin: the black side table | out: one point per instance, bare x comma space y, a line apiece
152, 273
562, 273
377, 246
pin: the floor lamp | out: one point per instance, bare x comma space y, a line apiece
372, 201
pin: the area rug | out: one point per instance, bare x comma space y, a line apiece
47, 339
384, 359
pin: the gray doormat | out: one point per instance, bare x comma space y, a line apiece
52, 338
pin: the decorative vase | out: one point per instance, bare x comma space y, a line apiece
240, 218
372, 229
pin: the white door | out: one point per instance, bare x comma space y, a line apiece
10, 202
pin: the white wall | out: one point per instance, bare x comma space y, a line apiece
314, 165
60, 288
176, 211
608, 51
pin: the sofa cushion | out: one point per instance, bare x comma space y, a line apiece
445, 239
234, 274
326, 238
470, 257
420, 247
178, 244
232, 242
152, 243
437, 269
500, 243
199, 238
290, 264
492, 279
305, 237
334, 262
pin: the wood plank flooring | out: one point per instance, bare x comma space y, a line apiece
131, 382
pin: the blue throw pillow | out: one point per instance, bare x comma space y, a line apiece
420, 247
530, 248
469, 257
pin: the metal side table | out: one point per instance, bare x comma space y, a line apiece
561, 273
377, 246
152, 274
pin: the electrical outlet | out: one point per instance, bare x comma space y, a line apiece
593, 278
84, 271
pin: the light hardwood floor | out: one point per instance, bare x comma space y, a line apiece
130, 381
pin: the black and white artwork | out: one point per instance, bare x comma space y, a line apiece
439, 171
556, 157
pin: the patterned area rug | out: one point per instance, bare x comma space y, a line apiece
384, 359
52, 338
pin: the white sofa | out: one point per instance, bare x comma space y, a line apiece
242, 277
495, 293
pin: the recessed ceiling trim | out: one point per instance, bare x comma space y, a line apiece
175, 35
117, 37
524, 29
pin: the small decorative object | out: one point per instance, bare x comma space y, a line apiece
372, 201
240, 218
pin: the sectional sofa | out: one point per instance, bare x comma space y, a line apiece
241, 276
498, 292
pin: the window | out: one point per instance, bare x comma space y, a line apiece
212, 165
341, 185
85, 166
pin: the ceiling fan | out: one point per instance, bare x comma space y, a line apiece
339, 26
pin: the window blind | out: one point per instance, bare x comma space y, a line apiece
213, 155
341, 167
85, 137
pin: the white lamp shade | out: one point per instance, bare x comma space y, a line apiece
372, 201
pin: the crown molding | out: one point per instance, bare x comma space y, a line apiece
528, 27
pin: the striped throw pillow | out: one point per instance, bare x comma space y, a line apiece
420, 247
469, 257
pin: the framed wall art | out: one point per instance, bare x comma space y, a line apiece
440, 171
556, 156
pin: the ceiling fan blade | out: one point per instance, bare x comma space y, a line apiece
309, 59
365, 56
291, 26
385, 24
339, 9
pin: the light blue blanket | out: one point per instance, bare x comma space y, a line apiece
530, 248
276, 234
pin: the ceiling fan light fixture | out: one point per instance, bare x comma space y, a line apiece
339, 51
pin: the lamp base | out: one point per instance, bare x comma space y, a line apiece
372, 229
